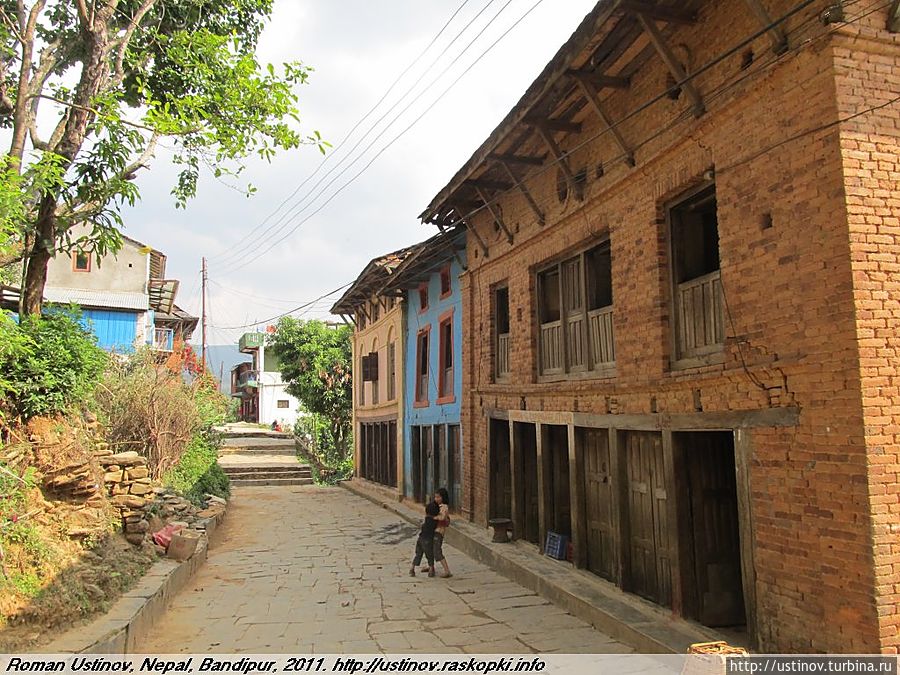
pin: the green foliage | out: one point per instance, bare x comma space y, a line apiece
197, 473
316, 364
183, 70
47, 364
213, 407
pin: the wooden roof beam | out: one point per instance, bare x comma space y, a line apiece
591, 95
497, 216
506, 159
601, 81
525, 193
465, 221
488, 184
561, 159
555, 125
776, 32
671, 61
658, 13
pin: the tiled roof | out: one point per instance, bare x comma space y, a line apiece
88, 298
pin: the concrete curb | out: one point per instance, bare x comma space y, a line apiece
132, 616
629, 619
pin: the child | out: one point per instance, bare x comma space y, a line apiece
425, 542
442, 498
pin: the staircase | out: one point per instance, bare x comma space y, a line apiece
261, 458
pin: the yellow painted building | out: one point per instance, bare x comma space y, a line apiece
377, 372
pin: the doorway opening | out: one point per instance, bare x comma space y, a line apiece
558, 504
711, 565
600, 515
527, 520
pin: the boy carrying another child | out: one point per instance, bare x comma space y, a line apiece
425, 542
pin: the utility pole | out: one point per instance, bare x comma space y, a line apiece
203, 315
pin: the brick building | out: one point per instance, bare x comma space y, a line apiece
682, 315
377, 373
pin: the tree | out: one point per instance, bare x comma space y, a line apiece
121, 75
316, 363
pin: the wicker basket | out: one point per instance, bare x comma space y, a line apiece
708, 658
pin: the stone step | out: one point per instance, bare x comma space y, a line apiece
271, 482
267, 473
287, 451
274, 468
257, 434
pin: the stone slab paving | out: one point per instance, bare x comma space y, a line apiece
322, 571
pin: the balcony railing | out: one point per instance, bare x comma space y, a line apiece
249, 378
701, 327
503, 355
163, 339
551, 354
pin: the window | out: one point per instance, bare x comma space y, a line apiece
445, 360
392, 371
423, 297
575, 314
370, 373
446, 286
362, 381
699, 324
376, 311
360, 318
283, 403
422, 366
81, 262
501, 332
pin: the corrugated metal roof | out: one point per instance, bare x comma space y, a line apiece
88, 298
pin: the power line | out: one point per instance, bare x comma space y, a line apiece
230, 251
391, 142
291, 311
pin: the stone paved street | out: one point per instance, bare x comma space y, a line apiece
319, 570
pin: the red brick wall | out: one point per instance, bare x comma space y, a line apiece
793, 297
867, 68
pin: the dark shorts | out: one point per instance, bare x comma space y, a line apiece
438, 547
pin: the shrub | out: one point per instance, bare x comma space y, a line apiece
47, 364
197, 473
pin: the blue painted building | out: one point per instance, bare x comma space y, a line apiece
432, 351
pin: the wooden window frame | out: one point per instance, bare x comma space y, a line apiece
592, 369
286, 406
446, 319
423, 297
392, 370
714, 356
445, 274
75, 267
421, 398
495, 330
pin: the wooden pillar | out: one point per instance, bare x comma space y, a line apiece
543, 472
672, 498
743, 455
516, 508
618, 491
576, 494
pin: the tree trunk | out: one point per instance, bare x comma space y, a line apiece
38, 258
94, 74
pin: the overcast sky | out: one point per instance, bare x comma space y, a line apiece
358, 48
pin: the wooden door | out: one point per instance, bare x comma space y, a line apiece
531, 528
441, 460
717, 548
598, 490
418, 492
650, 572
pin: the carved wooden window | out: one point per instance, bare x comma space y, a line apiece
699, 320
575, 314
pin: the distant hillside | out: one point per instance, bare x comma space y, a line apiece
222, 358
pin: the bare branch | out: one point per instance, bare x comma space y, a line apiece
12, 26
20, 116
91, 110
145, 7
84, 14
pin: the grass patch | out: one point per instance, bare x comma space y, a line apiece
197, 472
